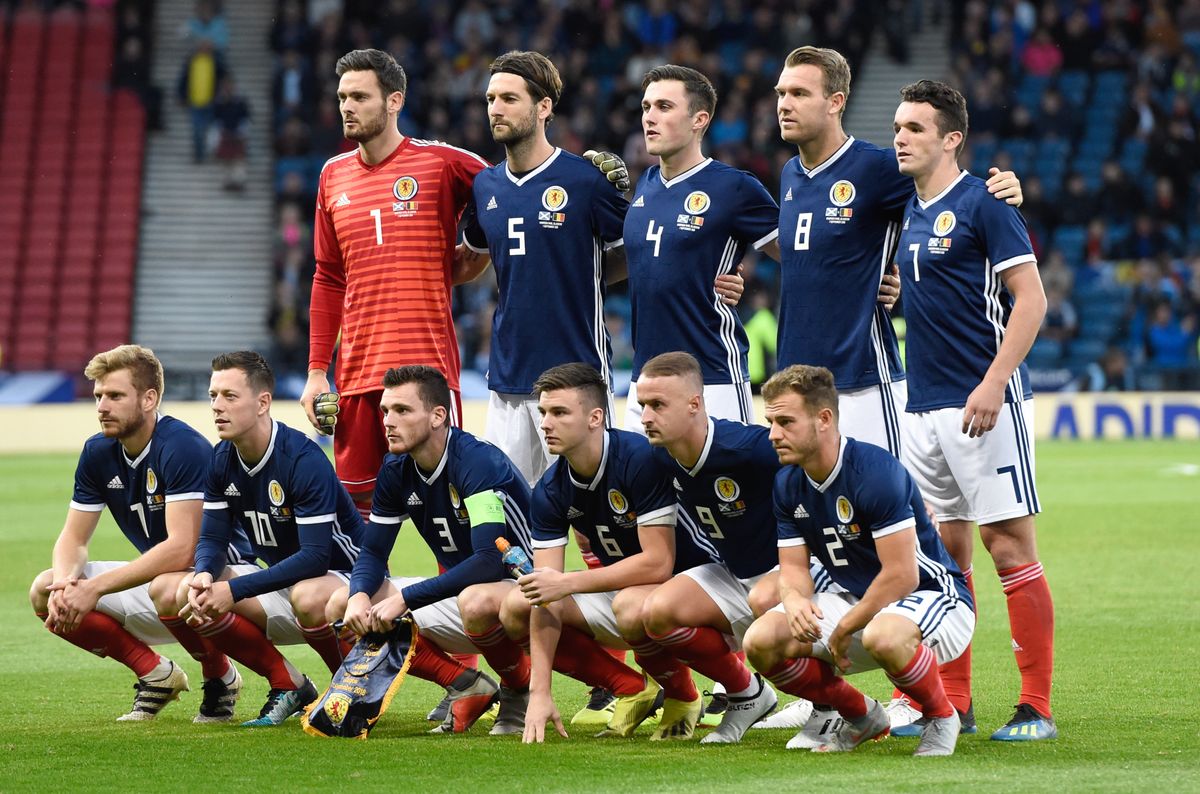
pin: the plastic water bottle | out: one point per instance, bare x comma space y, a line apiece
514, 557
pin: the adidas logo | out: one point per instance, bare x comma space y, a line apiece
788, 195
115, 482
638, 202
232, 490
414, 500
491, 205
343, 201
574, 513
675, 482
1017, 647
800, 512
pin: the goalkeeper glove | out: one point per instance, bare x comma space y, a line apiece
325, 406
611, 166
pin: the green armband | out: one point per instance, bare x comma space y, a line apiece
484, 507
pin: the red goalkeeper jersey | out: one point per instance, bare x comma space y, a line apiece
384, 239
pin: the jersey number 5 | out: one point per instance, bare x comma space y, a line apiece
518, 237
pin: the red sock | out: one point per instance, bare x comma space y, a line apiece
325, 641
591, 560
659, 664
504, 655
815, 680
920, 679
956, 675
213, 663
706, 651
467, 660
432, 664
1031, 621
582, 658
239, 638
102, 635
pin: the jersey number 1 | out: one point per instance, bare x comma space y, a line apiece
915, 248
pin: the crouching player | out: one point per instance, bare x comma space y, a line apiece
906, 607
278, 485
148, 470
608, 485
462, 494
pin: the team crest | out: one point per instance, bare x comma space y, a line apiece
455, 499
842, 192
727, 490
554, 198
405, 188
275, 493
617, 501
845, 511
337, 706
944, 223
697, 202
151, 481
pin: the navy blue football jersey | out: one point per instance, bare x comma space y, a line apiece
953, 249
726, 496
838, 226
474, 496
299, 518
680, 234
631, 488
867, 496
546, 231
171, 468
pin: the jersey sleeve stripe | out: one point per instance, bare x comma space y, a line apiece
787, 543
664, 516
892, 529
388, 520
467, 243
190, 496
421, 142
1013, 261
216, 505
617, 243
317, 519
765, 239
86, 508
550, 544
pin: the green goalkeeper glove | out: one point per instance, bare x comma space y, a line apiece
325, 406
611, 166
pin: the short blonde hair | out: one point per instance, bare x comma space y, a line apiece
833, 66
675, 364
145, 369
814, 384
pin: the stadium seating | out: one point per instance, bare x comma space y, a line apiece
66, 281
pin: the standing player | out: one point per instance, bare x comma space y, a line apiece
278, 484
840, 209
691, 220
974, 303
148, 469
462, 494
384, 240
906, 605
609, 486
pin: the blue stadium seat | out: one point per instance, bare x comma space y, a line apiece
1086, 349
1045, 354
1074, 87
1069, 241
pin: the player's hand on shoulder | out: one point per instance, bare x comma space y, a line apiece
1005, 185
541, 710
317, 395
889, 288
612, 166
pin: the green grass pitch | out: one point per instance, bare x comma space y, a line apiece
1120, 537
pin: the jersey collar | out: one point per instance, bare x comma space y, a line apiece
829, 161
708, 442
691, 171
837, 469
133, 464
595, 483
266, 456
927, 204
441, 463
545, 164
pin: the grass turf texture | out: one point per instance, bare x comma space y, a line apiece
1118, 538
